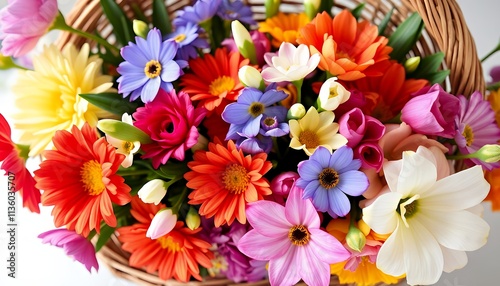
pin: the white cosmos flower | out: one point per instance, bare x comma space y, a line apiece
290, 63
432, 222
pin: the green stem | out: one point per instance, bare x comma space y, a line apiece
496, 49
60, 24
176, 207
125, 173
461, 156
298, 86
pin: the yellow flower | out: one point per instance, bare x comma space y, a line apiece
284, 27
47, 97
494, 99
314, 130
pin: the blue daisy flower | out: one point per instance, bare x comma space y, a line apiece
236, 10
326, 179
188, 38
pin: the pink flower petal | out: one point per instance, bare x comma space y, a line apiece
283, 270
312, 270
326, 247
260, 247
299, 211
268, 218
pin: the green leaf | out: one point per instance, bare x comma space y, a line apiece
122, 26
494, 86
437, 77
123, 131
104, 236
428, 65
112, 102
356, 12
383, 24
218, 31
172, 170
405, 37
326, 6
138, 13
161, 20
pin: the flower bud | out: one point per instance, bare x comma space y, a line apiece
201, 144
272, 7
141, 29
296, 111
489, 153
123, 131
355, 238
243, 41
411, 64
311, 7
332, 94
193, 220
251, 77
163, 222
153, 191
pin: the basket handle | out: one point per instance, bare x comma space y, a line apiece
445, 23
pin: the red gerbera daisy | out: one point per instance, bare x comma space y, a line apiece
214, 78
176, 254
79, 180
13, 164
224, 180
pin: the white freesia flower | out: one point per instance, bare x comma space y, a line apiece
332, 94
163, 222
290, 63
126, 148
153, 192
430, 220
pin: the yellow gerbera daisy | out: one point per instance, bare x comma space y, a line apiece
284, 27
314, 130
47, 97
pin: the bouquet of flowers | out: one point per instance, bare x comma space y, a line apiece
214, 144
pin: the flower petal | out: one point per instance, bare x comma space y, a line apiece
268, 218
416, 173
353, 183
453, 259
312, 270
299, 211
338, 201
283, 270
257, 246
326, 247
381, 215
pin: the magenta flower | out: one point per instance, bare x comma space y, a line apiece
283, 183
371, 155
291, 239
432, 111
171, 121
75, 246
476, 127
357, 127
23, 23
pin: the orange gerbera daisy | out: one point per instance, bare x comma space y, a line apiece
493, 177
214, 78
79, 180
386, 95
284, 27
348, 49
224, 180
176, 254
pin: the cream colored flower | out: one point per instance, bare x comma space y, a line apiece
127, 148
47, 97
332, 94
314, 130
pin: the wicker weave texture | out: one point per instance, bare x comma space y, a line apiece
445, 30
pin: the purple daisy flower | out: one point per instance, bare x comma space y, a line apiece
234, 265
149, 64
252, 106
201, 11
236, 10
326, 179
187, 36
476, 126
255, 144
75, 246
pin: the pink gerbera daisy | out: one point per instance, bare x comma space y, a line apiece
291, 239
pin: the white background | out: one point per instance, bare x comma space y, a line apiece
40, 264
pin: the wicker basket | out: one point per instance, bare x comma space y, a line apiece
445, 30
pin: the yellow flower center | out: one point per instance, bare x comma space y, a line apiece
343, 55
169, 243
235, 178
299, 235
91, 177
328, 178
256, 109
309, 138
220, 85
468, 135
333, 92
128, 147
152, 69
179, 38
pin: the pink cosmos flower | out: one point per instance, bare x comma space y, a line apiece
14, 164
355, 126
75, 246
171, 121
291, 239
23, 23
432, 111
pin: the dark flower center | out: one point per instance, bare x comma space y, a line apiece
328, 178
256, 109
299, 235
269, 121
309, 138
